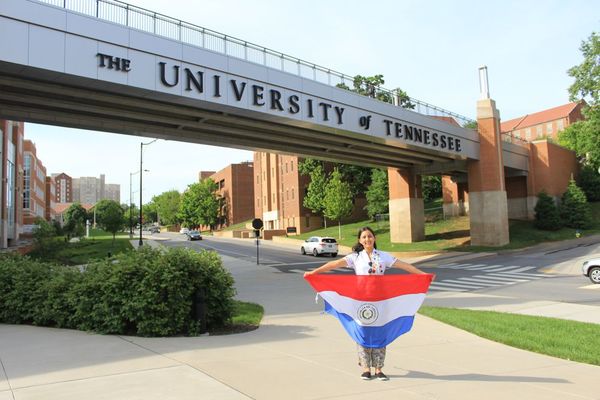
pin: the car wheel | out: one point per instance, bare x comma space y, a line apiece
315, 253
302, 251
188, 238
594, 274
333, 254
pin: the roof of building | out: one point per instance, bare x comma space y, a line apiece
540, 117
60, 208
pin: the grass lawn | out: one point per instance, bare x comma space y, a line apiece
98, 245
246, 317
570, 340
453, 234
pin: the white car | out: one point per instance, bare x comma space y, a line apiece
184, 231
318, 245
591, 269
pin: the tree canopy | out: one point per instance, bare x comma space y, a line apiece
109, 216
74, 220
371, 86
167, 206
338, 199
378, 193
200, 204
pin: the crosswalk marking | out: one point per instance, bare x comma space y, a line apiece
490, 276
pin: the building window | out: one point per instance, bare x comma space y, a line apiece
292, 193
286, 195
539, 131
286, 169
27, 181
549, 127
222, 184
292, 165
257, 178
528, 133
560, 125
273, 172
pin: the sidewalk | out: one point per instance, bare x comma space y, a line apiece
297, 353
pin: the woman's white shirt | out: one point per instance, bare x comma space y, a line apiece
380, 261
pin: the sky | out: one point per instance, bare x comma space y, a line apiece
432, 50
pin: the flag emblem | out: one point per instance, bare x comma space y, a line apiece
374, 310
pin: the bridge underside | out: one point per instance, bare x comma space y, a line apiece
41, 97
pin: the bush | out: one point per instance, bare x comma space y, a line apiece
546, 213
589, 181
145, 292
574, 210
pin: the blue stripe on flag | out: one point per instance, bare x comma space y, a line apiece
372, 336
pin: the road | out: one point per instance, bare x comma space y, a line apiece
508, 277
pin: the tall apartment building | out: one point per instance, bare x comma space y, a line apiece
64, 188
34, 185
237, 191
90, 190
112, 191
546, 123
11, 182
50, 199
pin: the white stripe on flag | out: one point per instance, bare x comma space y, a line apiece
387, 310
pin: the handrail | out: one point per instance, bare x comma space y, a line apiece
121, 13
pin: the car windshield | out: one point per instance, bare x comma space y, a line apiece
328, 240
194, 233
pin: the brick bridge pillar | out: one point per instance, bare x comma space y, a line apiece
407, 218
487, 193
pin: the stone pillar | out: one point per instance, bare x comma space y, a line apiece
450, 196
407, 215
487, 194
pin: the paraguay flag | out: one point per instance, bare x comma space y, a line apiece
376, 309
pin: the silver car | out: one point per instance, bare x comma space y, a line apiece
591, 269
318, 245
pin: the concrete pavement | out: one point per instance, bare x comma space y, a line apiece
297, 353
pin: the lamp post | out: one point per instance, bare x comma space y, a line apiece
142, 144
131, 202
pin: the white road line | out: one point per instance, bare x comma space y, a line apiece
496, 269
486, 282
458, 266
481, 266
462, 283
523, 269
524, 276
448, 289
502, 278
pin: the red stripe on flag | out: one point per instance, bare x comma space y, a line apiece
371, 287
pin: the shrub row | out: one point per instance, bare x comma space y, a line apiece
573, 211
144, 292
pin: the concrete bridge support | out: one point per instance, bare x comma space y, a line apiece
407, 216
487, 193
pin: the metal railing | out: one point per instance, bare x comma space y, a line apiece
511, 138
148, 21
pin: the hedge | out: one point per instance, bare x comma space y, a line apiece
146, 292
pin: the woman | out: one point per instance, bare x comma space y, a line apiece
367, 260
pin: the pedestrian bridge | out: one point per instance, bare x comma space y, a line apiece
107, 66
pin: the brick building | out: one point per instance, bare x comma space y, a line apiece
64, 188
279, 191
236, 190
50, 199
11, 182
542, 124
34, 186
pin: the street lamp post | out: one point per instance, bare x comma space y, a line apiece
142, 144
131, 202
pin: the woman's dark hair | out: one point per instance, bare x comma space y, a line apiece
359, 247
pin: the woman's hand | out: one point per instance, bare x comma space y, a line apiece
307, 273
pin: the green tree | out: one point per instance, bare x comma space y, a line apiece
74, 220
358, 177
574, 209
167, 207
546, 213
589, 182
110, 217
43, 237
584, 136
471, 125
338, 199
432, 187
378, 197
587, 74
149, 213
371, 86
200, 204
315, 193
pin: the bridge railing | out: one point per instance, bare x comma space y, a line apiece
149, 21
511, 138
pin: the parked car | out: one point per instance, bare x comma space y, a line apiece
591, 269
318, 245
194, 235
184, 231
154, 229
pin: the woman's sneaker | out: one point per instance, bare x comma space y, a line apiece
381, 376
366, 375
